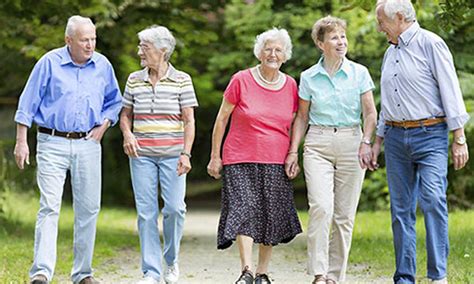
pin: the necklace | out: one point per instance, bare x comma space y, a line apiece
260, 76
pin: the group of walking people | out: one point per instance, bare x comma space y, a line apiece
73, 96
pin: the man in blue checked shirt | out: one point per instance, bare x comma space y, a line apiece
73, 96
421, 103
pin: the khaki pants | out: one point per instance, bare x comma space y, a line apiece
334, 181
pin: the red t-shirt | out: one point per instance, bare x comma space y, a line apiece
260, 122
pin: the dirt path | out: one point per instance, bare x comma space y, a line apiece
201, 262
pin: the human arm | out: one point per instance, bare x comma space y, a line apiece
369, 114
184, 163
22, 151
300, 124
215, 164
460, 152
130, 143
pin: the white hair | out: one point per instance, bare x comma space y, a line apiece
160, 37
404, 7
280, 35
73, 22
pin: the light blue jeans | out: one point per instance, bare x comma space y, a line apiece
55, 156
417, 167
147, 172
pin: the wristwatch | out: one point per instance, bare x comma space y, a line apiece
461, 140
186, 154
366, 141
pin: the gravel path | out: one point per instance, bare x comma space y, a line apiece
201, 262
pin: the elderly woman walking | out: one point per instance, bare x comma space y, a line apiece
157, 123
257, 196
333, 93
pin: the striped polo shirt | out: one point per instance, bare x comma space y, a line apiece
157, 122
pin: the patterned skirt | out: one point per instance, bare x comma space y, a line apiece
257, 201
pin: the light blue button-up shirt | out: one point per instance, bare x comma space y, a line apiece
67, 97
335, 101
419, 81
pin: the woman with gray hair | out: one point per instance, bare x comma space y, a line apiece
257, 196
157, 122
333, 94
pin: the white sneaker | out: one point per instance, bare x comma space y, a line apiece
172, 274
148, 280
440, 281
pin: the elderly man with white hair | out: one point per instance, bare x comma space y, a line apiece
421, 103
157, 123
73, 96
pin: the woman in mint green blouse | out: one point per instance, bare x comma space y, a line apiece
333, 94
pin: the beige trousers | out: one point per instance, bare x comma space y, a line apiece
334, 181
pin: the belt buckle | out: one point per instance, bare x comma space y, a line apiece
68, 135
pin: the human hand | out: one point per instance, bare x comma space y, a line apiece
214, 168
365, 156
130, 145
97, 132
292, 169
460, 155
22, 154
184, 165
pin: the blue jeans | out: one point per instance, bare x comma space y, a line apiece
417, 167
55, 156
146, 173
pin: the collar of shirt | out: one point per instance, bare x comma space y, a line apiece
319, 68
171, 74
66, 57
409, 33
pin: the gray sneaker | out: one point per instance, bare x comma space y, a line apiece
39, 279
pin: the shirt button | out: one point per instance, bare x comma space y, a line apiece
396, 90
397, 61
395, 75
398, 105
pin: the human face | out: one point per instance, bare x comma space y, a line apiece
334, 45
272, 55
149, 54
82, 43
390, 27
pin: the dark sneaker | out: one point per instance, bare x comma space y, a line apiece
319, 279
262, 279
89, 280
246, 277
39, 279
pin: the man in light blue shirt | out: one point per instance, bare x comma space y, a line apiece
421, 103
73, 96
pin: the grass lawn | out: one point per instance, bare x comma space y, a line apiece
372, 249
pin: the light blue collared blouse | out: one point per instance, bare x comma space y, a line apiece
67, 97
335, 101
419, 81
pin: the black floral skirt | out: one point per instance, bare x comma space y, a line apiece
257, 201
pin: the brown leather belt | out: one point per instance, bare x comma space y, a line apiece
69, 135
416, 123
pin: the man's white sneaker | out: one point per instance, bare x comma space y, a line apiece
440, 281
148, 280
172, 274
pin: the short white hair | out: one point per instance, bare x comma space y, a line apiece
404, 7
160, 37
73, 22
280, 35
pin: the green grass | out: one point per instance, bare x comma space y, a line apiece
371, 254
372, 246
116, 230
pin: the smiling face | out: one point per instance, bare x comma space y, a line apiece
82, 43
392, 28
334, 45
272, 55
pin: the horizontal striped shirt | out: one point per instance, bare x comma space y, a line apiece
157, 120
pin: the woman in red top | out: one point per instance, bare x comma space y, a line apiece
257, 195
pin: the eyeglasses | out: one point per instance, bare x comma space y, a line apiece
142, 47
276, 50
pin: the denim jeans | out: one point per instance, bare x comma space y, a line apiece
417, 162
55, 156
147, 172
